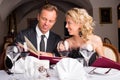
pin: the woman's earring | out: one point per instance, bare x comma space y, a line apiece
80, 33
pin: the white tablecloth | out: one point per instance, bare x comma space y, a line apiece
114, 74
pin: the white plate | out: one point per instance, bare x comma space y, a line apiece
101, 72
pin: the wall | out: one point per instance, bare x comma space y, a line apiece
3, 33
106, 30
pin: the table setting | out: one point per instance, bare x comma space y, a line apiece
32, 68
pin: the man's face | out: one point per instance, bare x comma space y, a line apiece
46, 20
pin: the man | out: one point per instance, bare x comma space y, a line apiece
46, 19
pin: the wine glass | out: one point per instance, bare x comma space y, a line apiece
63, 48
25, 51
87, 53
13, 53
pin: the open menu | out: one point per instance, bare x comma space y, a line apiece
30, 45
33, 52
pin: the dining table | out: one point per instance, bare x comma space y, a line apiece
92, 73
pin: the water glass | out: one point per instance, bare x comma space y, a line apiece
82, 61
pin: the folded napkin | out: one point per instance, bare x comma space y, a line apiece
29, 65
70, 69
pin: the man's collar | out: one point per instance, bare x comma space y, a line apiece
39, 33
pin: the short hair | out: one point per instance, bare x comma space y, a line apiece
49, 7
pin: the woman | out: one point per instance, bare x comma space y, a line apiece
80, 26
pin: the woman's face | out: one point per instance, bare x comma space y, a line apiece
72, 27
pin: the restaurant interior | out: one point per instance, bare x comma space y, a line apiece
17, 15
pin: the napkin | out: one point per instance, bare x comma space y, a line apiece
70, 69
29, 65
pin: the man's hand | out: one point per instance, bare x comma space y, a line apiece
45, 54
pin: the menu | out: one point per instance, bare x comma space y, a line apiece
33, 52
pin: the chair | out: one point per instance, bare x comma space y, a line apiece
3, 56
111, 52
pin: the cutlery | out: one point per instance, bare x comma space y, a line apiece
92, 71
108, 71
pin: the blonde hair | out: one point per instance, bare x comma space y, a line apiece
81, 16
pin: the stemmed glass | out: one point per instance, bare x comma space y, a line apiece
13, 53
23, 55
87, 53
63, 48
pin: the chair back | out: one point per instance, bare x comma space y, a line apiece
111, 52
3, 57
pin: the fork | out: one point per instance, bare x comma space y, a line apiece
108, 71
92, 71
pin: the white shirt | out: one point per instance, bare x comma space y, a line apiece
39, 33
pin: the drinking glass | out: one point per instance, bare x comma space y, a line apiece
87, 55
63, 48
13, 53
